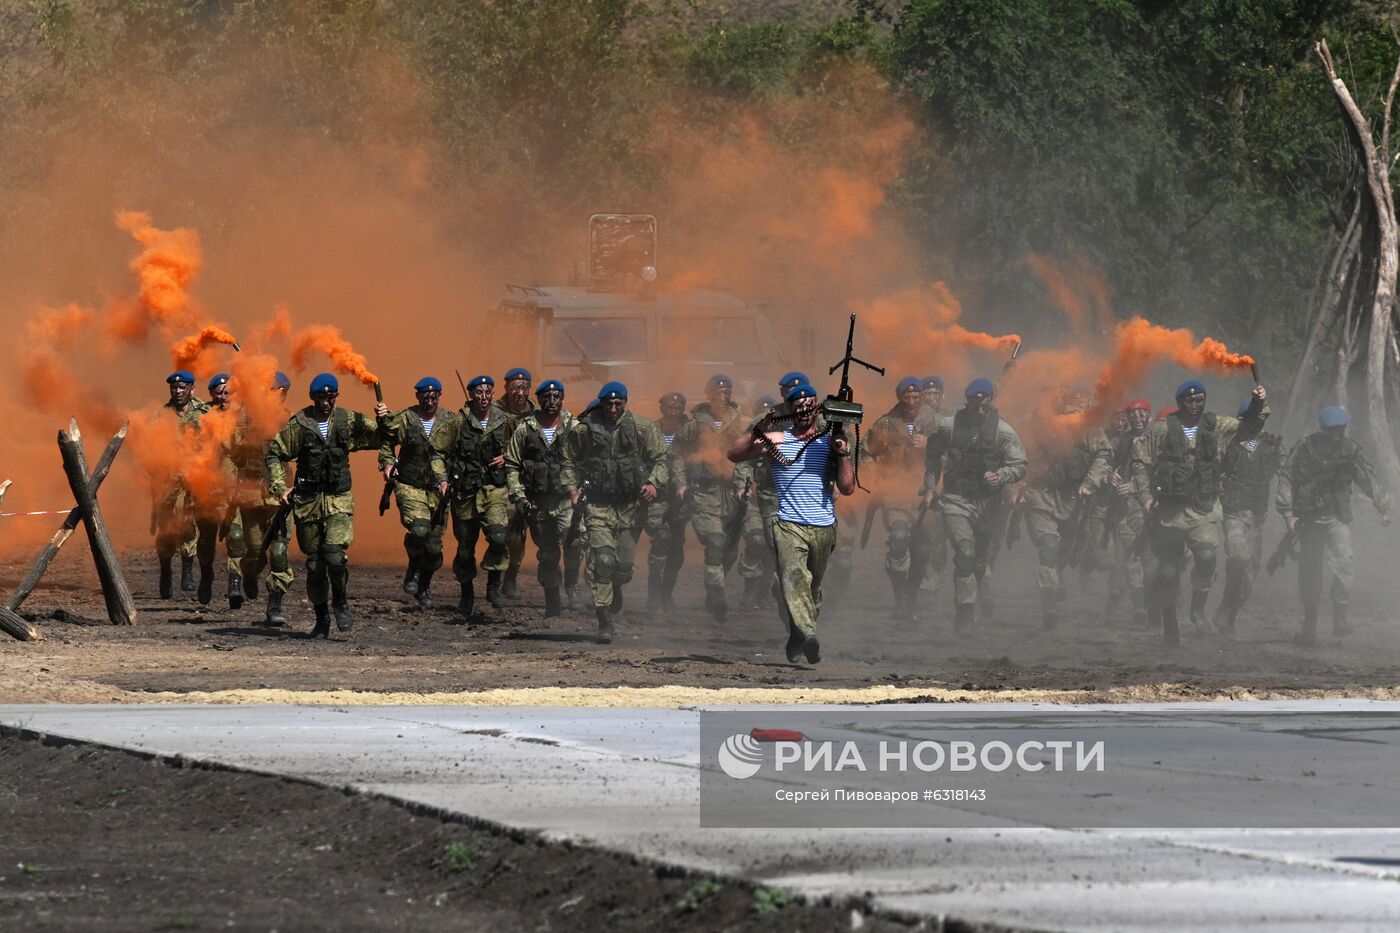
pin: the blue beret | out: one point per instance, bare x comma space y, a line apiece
324, 382
480, 381
180, 375
217, 380
1333, 416
280, 381
764, 403
1189, 387
793, 379
518, 373
719, 381
550, 385
801, 390
612, 390
933, 382
907, 383
979, 386
428, 382
672, 397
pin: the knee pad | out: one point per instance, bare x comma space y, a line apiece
277, 550
604, 563
334, 556
1206, 556
965, 559
899, 541
496, 535
420, 529
755, 540
234, 538
714, 549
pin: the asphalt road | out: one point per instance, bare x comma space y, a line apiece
629, 779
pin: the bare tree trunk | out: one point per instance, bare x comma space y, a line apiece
1338, 271
16, 627
120, 608
1376, 164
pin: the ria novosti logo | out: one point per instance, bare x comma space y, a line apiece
740, 756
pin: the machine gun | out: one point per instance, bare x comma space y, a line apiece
842, 408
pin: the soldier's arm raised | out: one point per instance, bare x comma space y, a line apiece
393, 436
365, 432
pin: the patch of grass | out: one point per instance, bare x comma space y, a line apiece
458, 857
766, 901
698, 893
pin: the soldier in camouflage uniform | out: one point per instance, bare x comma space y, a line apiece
1069, 464
1247, 468
757, 563
173, 512
1314, 498
514, 405
895, 449
418, 484
808, 463
1176, 470
703, 471
252, 523
618, 460
668, 516
320, 438
1122, 518
933, 575
977, 455
474, 449
534, 480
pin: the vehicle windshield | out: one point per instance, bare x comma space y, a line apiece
711, 339
598, 339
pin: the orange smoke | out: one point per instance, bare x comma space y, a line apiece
1078, 289
328, 339
193, 353
916, 331
165, 269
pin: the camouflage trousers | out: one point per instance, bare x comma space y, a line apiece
613, 531
325, 541
713, 510
423, 540
1170, 548
244, 544
482, 511
667, 554
803, 552
1051, 537
1126, 574
181, 528
549, 526
1325, 547
757, 559
973, 528
1244, 546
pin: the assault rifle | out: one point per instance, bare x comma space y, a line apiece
278, 527
1286, 549
1079, 530
735, 527
388, 491
226, 522
576, 520
521, 520
870, 510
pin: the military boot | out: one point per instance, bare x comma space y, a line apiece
552, 607
616, 604
509, 588
410, 579
186, 573
235, 591
250, 587
493, 589
1307, 638
322, 628
1171, 632
962, 617
604, 624
167, 579
753, 593
1340, 627
272, 615
811, 649
572, 595
343, 619
467, 602
206, 585
794, 645
715, 603
425, 588
1198, 608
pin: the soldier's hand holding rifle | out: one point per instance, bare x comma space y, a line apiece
991, 479
648, 492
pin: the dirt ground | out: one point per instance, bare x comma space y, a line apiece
98, 839
181, 652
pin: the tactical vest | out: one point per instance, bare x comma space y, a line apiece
1245, 476
1068, 471
323, 466
474, 452
699, 467
1322, 478
1183, 473
612, 461
969, 457
898, 446
541, 463
415, 453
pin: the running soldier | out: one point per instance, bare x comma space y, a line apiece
535, 484
320, 438
1123, 517
1247, 467
757, 563
1314, 498
616, 461
809, 463
1177, 473
976, 455
705, 476
474, 450
895, 447
173, 508
419, 483
668, 516
514, 406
